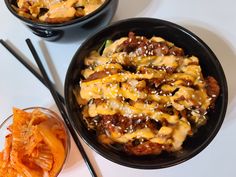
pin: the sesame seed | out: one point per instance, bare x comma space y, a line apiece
107, 122
154, 91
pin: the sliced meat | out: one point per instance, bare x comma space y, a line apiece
125, 124
145, 148
141, 46
176, 51
129, 45
213, 89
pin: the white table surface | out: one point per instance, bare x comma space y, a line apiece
214, 21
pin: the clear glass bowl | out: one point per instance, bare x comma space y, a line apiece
51, 115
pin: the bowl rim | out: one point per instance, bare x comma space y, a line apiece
207, 141
58, 25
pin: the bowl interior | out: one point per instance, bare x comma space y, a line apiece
181, 37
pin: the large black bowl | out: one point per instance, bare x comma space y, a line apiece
52, 32
181, 37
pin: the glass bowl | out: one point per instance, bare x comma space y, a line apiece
4, 130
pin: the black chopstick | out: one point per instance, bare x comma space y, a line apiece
23, 62
61, 107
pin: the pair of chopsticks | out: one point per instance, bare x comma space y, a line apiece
59, 100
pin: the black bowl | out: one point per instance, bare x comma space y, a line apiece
181, 37
99, 18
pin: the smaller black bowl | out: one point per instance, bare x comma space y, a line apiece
52, 32
181, 37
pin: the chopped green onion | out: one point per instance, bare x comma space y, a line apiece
104, 45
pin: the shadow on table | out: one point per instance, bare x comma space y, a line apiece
79, 35
74, 159
51, 66
134, 8
224, 52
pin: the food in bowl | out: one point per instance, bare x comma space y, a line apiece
66, 31
56, 11
36, 145
144, 94
181, 37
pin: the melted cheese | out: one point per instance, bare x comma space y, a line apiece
121, 58
180, 133
99, 89
113, 106
187, 97
123, 77
140, 133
